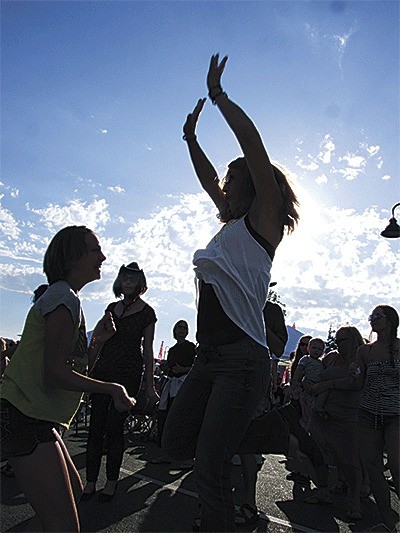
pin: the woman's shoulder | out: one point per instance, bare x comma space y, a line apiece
59, 293
149, 311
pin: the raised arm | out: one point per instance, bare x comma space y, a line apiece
204, 169
266, 213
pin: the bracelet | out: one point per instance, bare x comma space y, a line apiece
218, 93
188, 138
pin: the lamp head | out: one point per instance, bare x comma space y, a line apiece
392, 231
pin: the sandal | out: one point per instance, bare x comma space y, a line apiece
246, 515
7, 470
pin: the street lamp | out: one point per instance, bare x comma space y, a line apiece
392, 231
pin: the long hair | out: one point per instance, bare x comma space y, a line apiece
65, 248
353, 340
290, 201
298, 354
392, 324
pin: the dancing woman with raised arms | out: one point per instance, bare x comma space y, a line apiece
217, 401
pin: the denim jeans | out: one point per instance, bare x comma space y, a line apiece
209, 417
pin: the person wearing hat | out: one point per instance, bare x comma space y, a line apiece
120, 360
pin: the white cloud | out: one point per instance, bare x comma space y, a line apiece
354, 161
373, 150
117, 188
334, 268
335, 44
319, 180
349, 173
312, 165
94, 215
8, 224
104, 132
327, 150
386, 177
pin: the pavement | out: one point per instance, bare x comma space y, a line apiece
163, 498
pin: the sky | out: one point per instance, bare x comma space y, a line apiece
93, 99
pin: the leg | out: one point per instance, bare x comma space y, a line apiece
391, 436
115, 442
75, 478
97, 429
371, 447
183, 423
250, 471
51, 496
161, 418
240, 377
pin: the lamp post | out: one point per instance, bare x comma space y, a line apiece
392, 231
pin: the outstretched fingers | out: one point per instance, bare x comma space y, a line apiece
198, 109
215, 70
189, 127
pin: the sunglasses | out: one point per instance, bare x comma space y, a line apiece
304, 344
375, 316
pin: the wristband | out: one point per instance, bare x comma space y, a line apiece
218, 92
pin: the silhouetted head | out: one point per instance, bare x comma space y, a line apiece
240, 193
130, 281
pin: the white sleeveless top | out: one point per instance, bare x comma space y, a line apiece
238, 268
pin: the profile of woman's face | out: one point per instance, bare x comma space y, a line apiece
303, 344
235, 191
341, 339
378, 320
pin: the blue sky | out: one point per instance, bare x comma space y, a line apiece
93, 98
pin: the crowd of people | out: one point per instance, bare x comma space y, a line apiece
340, 408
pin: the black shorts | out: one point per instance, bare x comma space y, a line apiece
20, 434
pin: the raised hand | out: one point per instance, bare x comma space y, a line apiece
189, 128
105, 329
215, 71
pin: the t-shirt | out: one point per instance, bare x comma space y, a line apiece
24, 385
312, 368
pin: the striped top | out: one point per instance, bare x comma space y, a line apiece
381, 393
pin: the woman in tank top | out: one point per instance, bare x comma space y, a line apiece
378, 364
218, 399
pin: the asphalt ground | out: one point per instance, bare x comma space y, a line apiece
162, 498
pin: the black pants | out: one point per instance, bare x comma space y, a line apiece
106, 430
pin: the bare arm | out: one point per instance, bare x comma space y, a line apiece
104, 330
276, 331
58, 374
148, 357
203, 167
266, 212
298, 376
